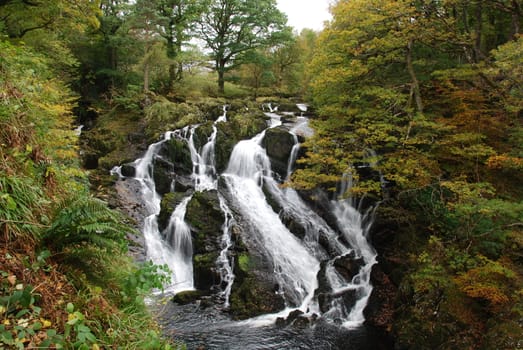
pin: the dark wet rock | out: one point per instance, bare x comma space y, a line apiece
205, 272
326, 295
253, 296
163, 175
241, 125
90, 160
177, 152
205, 218
348, 265
379, 311
211, 109
293, 225
288, 107
128, 170
278, 143
187, 297
201, 135
182, 183
129, 202
285, 321
255, 289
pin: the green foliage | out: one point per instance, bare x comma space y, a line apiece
507, 64
143, 280
244, 262
165, 115
20, 204
86, 220
230, 28
20, 315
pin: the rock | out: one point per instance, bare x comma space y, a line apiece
90, 160
128, 170
211, 109
187, 297
278, 143
293, 315
205, 218
255, 289
253, 296
289, 107
182, 183
205, 272
379, 311
326, 295
163, 175
295, 227
201, 135
177, 152
348, 265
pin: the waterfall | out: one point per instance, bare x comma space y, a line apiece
224, 262
301, 247
178, 236
295, 268
204, 173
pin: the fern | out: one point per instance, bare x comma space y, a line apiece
21, 202
86, 221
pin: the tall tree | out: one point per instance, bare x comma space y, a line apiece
232, 27
176, 24
143, 25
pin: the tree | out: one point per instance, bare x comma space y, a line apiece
255, 70
20, 17
232, 27
177, 18
143, 25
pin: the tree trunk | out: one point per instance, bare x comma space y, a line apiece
172, 65
221, 80
146, 77
516, 15
478, 54
413, 78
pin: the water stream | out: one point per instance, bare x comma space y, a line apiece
306, 266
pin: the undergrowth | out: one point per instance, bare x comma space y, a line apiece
65, 279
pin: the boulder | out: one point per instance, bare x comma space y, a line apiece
187, 297
205, 272
205, 218
128, 170
278, 143
241, 126
163, 175
177, 152
348, 265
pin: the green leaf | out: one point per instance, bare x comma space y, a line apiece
69, 308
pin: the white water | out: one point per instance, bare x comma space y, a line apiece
225, 264
178, 235
173, 246
295, 268
295, 261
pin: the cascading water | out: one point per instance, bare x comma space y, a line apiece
224, 261
294, 266
298, 261
178, 236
